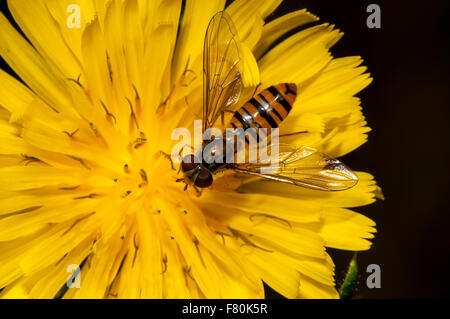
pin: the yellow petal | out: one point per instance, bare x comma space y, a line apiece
194, 265
101, 269
14, 96
96, 64
41, 76
341, 79
51, 279
16, 291
11, 143
156, 61
276, 272
133, 43
11, 252
51, 246
300, 57
239, 8
276, 28
346, 139
59, 10
310, 289
250, 76
196, 17
264, 206
248, 21
26, 177
47, 133
151, 259
37, 213
299, 240
36, 22
345, 229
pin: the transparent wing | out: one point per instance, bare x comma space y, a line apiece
302, 166
222, 83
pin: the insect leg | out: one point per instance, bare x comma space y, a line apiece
199, 193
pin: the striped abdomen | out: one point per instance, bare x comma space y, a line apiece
267, 109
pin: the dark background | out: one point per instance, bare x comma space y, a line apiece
407, 107
407, 151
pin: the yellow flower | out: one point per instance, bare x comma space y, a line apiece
83, 180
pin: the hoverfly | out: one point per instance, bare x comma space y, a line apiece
222, 86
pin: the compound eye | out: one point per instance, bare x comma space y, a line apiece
189, 163
204, 179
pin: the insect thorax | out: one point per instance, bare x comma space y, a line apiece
219, 153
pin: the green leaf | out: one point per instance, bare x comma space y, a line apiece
348, 286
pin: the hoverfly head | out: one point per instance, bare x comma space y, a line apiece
196, 172
204, 178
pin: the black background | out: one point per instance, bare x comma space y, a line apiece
407, 151
407, 108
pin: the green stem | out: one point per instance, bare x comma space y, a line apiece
348, 286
